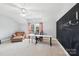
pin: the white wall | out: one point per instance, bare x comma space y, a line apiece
7, 27
10, 21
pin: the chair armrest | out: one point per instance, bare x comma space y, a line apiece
13, 36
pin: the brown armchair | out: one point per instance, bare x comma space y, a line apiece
18, 37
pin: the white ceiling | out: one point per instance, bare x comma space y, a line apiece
34, 10
42, 8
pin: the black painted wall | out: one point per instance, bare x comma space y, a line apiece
68, 34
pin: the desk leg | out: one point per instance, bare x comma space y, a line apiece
50, 41
0, 41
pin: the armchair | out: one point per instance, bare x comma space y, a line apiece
18, 37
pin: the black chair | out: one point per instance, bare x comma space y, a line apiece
39, 38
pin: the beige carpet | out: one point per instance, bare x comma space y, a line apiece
27, 48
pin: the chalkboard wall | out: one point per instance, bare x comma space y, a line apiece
68, 30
